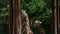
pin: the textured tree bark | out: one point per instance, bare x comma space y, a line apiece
15, 18
55, 15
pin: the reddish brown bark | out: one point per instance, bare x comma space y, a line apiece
15, 20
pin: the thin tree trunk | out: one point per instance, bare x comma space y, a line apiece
15, 18
55, 14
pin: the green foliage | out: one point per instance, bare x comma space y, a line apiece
41, 10
4, 19
3, 11
36, 9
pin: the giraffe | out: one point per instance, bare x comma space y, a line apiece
39, 25
26, 18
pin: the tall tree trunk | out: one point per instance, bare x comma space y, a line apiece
15, 18
55, 15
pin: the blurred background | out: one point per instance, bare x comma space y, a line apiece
36, 9
59, 16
